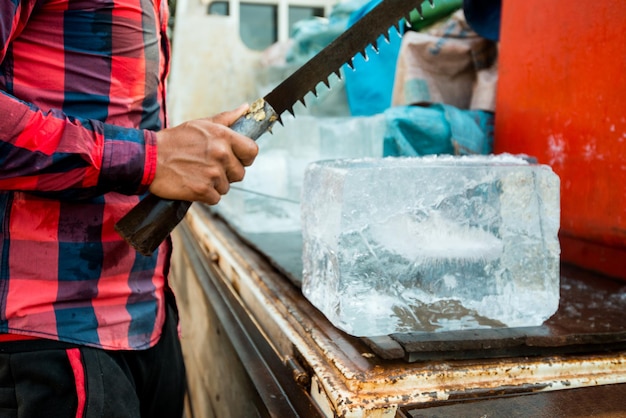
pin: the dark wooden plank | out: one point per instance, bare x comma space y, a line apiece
595, 401
385, 347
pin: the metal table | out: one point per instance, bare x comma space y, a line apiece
253, 342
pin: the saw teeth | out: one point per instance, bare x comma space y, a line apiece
419, 10
353, 41
375, 46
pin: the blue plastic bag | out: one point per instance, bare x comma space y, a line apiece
370, 86
437, 129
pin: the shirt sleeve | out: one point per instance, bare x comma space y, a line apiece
53, 153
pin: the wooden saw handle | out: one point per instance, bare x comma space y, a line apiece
151, 221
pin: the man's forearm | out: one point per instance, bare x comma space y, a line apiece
53, 153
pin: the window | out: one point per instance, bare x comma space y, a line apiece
259, 23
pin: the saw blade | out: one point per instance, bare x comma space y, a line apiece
365, 32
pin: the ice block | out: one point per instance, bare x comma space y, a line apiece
428, 244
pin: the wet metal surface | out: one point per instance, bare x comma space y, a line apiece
590, 316
351, 378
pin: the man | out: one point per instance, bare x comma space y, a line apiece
88, 325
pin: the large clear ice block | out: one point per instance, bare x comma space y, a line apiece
396, 245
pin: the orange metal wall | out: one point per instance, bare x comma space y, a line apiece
562, 98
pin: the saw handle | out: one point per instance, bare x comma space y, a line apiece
151, 221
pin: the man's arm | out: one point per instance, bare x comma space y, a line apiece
52, 153
76, 158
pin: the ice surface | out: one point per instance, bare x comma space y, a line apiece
431, 243
268, 199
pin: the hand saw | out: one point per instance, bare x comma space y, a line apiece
147, 224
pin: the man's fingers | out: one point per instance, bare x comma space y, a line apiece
229, 117
236, 172
245, 150
222, 186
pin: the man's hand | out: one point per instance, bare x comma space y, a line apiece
197, 160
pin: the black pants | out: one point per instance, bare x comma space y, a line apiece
46, 379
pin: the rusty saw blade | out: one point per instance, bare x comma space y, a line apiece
365, 32
149, 223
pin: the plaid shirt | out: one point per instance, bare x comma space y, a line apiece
81, 94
